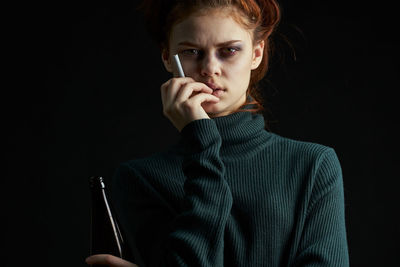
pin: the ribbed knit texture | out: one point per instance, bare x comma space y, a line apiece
230, 193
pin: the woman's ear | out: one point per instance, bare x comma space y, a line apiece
257, 55
166, 60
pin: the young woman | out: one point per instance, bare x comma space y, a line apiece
229, 193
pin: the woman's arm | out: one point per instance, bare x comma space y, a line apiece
194, 236
198, 236
324, 241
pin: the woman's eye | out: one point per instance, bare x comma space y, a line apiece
191, 52
230, 51
223, 52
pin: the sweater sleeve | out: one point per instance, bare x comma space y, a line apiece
195, 235
197, 238
324, 241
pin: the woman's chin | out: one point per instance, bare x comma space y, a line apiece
213, 109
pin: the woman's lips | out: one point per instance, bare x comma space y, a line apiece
218, 92
212, 85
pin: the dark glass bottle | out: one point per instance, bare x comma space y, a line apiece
105, 234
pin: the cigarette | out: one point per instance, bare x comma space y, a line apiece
178, 64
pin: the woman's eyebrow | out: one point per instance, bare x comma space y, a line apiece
187, 43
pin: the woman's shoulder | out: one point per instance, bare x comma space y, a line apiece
147, 174
301, 149
152, 160
319, 161
156, 164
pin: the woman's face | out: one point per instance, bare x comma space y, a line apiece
214, 49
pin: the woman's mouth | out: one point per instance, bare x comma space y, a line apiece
218, 92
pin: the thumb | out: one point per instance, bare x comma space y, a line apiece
109, 260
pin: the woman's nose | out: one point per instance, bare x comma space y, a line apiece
210, 66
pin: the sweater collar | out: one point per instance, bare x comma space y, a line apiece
239, 126
241, 131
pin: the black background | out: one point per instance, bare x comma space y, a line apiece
84, 96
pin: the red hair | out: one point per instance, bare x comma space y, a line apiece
261, 17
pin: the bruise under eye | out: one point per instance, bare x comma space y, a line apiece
191, 51
230, 51
224, 52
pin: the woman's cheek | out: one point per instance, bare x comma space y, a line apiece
188, 67
239, 71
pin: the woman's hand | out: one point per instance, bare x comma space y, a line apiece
182, 99
110, 260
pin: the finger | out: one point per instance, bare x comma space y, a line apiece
187, 90
173, 88
200, 98
110, 260
163, 89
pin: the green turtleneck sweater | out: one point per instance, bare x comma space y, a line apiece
230, 193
